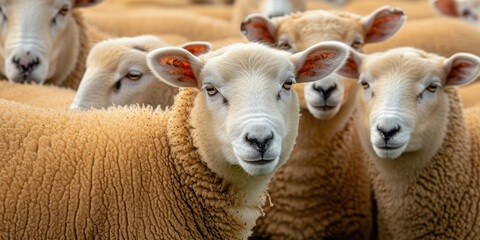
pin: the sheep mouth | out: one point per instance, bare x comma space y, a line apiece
260, 162
325, 107
388, 147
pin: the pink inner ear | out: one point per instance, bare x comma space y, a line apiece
350, 68
384, 26
459, 73
446, 7
181, 70
316, 63
196, 49
256, 30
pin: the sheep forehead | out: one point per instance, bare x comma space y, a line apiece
404, 66
249, 62
37, 2
315, 26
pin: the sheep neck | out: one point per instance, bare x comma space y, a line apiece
225, 202
447, 183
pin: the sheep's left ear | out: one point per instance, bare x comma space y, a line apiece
446, 7
257, 27
383, 23
86, 3
462, 69
175, 66
319, 60
197, 48
351, 67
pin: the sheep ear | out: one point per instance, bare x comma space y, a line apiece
383, 23
446, 7
257, 27
86, 3
351, 67
461, 68
175, 66
319, 61
197, 48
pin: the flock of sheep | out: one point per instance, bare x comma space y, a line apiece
185, 133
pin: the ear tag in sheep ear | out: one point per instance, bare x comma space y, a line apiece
383, 23
256, 27
197, 48
446, 7
319, 61
462, 68
86, 3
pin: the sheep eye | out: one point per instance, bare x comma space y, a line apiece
134, 75
288, 84
118, 85
432, 88
284, 46
63, 11
356, 44
211, 90
365, 85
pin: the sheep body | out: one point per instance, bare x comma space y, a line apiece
46, 96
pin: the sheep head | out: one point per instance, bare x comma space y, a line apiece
403, 107
300, 31
467, 10
117, 73
245, 108
38, 39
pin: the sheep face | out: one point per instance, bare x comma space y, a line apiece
117, 74
37, 38
245, 103
467, 10
299, 31
403, 108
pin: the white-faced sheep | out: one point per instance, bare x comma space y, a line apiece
424, 155
43, 41
323, 192
46, 96
468, 10
196, 171
117, 74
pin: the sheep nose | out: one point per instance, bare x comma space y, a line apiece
26, 64
388, 133
260, 143
325, 93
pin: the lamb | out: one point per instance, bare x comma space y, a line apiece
323, 192
196, 171
44, 41
46, 96
117, 74
422, 148
468, 10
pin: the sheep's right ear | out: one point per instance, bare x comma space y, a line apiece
383, 23
257, 27
351, 67
197, 48
445, 7
86, 3
319, 60
175, 66
462, 69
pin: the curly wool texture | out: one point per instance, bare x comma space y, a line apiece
121, 173
442, 201
323, 191
46, 96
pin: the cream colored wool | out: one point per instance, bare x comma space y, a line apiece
441, 200
121, 173
440, 35
323, 191
46, 96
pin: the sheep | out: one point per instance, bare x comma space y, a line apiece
467, 10
46, 96
423, 150
270, 8
198, 170
323, 192
43, 41
117, 74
